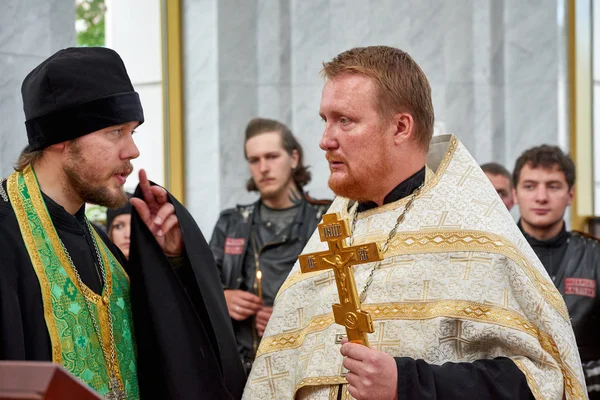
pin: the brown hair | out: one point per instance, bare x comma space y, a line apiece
27, 157
547, 157
258, 126
401, 83
495, 169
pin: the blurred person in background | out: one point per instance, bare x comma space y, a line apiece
118, 227
502, 182
256, 245
544, 179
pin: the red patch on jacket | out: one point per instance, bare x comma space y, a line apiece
234, 246
580, 287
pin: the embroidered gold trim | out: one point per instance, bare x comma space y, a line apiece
346, 393
535, 390
442, 241
101, 243
103, 317
27, 235
431, 181
39, 204
468, 310
294, 339
319, 381
100, 302
571, 383
458, 309
333, 391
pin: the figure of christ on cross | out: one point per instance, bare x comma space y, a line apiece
340, 258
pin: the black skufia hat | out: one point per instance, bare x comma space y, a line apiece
78, 90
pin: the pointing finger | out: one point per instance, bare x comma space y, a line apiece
145, 187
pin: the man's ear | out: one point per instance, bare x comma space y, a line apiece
571, 195
59, 146
295, 158
404, 127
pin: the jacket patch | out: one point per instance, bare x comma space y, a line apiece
234, 246
580, 287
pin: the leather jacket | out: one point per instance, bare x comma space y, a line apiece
233, 250
577, 279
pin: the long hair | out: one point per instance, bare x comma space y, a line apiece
258, 126
27, 157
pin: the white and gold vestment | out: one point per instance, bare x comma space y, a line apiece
458, 283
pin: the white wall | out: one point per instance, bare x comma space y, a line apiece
30, 31
133, 29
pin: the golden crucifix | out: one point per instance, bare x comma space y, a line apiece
340, 258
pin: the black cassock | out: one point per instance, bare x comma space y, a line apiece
185, 343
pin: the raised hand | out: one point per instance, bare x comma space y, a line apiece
159, 216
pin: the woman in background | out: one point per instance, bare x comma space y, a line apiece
118, 226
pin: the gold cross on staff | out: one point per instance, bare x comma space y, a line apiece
340, 258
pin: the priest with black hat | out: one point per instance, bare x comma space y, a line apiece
153, 326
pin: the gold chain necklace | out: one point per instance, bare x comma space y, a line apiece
384, 247
115, 392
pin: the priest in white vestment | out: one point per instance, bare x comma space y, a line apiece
461, 306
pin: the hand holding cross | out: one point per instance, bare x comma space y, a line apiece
340, 258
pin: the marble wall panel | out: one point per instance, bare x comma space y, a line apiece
237, 24
237, 105
438, 97
493, 66
531, 32
308, 128
201, 111
200, 42
310, 39
274, 101
13, 136
460, 112
428, 28
30, 31
274, 42
349, 25
458, 40
390, 23
483, 112
531, 117
61, 23
25, 27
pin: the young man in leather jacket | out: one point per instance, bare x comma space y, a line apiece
543, 181
256, 245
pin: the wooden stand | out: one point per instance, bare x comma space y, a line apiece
25, 380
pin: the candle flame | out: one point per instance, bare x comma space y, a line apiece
259, 274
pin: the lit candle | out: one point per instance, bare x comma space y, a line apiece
259, 283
